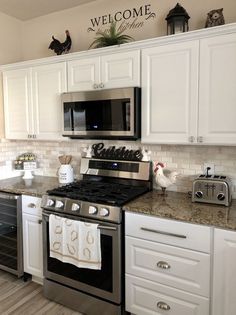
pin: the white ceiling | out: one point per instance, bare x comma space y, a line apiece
29, 9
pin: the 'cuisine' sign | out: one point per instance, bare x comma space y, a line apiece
127, 19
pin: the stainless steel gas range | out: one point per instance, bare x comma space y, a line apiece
98, 198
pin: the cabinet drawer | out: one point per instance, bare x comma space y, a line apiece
145, 297
31, 205
176, 233
180, 268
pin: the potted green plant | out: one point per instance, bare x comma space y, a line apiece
112, 37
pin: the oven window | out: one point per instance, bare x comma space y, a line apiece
103, 115
101, 279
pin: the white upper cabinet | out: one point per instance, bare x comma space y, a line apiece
83, 74
32, 101
169, 92
115, 70
17, 103
48, 83
217, 93
189, 92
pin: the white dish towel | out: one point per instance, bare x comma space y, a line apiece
75, 242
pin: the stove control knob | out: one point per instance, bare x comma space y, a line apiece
221, 196
199, 194
93, 210
50, 203
104, 212
59, 204
75, 207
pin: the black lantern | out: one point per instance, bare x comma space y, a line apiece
177, 20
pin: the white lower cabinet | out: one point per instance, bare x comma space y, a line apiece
149, 297
32, 236
224, 273
166, 271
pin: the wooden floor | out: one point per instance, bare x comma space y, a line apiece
26, 298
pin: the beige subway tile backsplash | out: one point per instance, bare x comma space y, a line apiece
187, 160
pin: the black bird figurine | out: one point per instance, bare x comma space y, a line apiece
59, 47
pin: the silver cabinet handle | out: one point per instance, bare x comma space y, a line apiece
163, 306
29, 136
200, 139
163, 233
191, 139
95, 86
101, 85
31, 205
163, 265
40, 221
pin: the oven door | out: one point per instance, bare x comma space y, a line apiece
104, 283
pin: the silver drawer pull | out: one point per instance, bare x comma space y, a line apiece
163, 265
32, 205
163, 306
40, 221
163, 233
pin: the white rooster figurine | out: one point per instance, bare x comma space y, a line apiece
164, 180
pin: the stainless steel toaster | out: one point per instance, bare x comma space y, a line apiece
215, 189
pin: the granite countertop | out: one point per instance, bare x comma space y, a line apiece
175, 205
33, 187
178, 206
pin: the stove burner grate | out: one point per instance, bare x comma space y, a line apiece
99, 192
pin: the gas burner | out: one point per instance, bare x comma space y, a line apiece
103, 190
99, 192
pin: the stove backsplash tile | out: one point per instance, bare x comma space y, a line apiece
187, 160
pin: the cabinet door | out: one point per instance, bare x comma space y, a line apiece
217, 94
144, 297
180, 268
120, 70
49, 81
83, 74
170, 93
17, 103
32, 245
224, 283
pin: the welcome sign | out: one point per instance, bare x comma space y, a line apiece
131, 18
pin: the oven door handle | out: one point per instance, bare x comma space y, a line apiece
104, 227
100, 227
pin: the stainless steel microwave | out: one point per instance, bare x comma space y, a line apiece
102, 114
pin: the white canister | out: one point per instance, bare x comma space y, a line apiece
66, 174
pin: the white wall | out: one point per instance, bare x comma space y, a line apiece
10, 35
10, 49
37, 32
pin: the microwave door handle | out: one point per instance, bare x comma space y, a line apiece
72, 118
